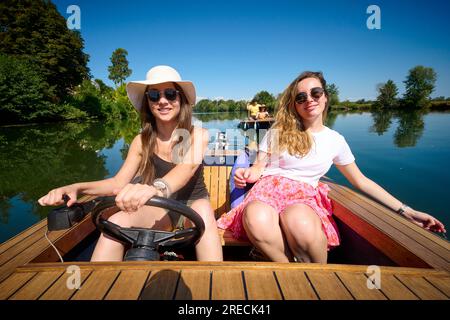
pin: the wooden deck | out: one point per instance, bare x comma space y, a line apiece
24, 275
401, 241
222, 281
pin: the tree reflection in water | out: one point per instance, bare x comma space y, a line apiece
409, 129
37, 158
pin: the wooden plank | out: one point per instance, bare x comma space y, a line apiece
60, 291
70, 239
227, 285
193, 285
22, 236
207, 177
294, 285
442, 283
227, 265
128, 285
39, 246
97, 285
27, 255
394, 289
222, 191
13, 283
356, 283
421, 236
328, 286
422, 288
214, 187
22, 245
433, 253
161, 285
378, 234
261, 285
37, 286
439, 245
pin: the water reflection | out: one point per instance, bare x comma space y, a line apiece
409, 129
382, 120
37, 158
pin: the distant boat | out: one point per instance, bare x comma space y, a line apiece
256, 124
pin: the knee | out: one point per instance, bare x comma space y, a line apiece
258, 217
303, 226
203, 208
121, 218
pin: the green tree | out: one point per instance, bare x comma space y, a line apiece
387, 94
419, 84
105, 90
264, 97
34, 30
24, 94
23, 91
118, 70
333, 94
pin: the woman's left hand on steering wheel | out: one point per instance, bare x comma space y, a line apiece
133, 196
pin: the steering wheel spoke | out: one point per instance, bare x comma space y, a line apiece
145, 242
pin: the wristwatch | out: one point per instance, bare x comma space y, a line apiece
162, 186
402, 209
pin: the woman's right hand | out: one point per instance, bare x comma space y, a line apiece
242, 176
55, 196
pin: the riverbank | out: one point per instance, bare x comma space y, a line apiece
435, 105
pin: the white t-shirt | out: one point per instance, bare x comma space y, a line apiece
329, 147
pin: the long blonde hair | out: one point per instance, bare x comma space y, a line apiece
149, 133
291, 133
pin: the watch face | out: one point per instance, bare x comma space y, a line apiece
159, 185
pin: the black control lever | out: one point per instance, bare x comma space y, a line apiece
65, 217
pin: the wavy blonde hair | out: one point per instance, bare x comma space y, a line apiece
149, 133
291, 133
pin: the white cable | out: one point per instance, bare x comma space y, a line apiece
51, 243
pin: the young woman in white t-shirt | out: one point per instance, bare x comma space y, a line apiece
287, 213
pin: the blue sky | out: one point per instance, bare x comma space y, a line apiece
233, 49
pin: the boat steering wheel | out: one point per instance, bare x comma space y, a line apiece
144, 242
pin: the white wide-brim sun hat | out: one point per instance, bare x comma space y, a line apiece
157, 75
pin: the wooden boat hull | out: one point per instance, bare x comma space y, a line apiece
370, 234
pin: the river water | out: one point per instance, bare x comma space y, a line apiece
407, 153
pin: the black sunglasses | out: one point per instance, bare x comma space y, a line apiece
316, 93
154, 95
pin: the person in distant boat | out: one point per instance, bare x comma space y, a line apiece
156, 164
262, 113
253, 109
287, 214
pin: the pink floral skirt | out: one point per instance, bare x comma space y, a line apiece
280, 193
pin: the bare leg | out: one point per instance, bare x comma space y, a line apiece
304, 234
108, 249
209, 247
261, 222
